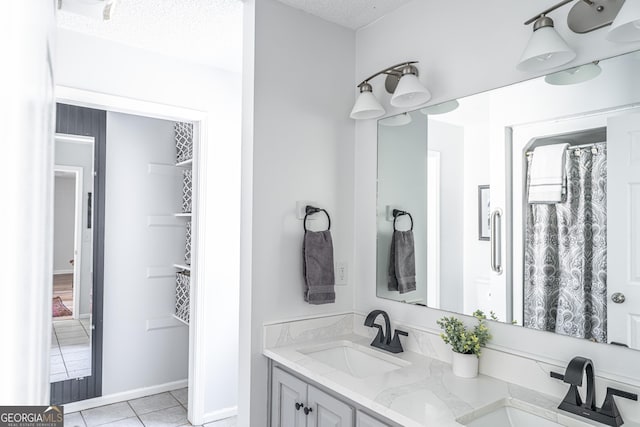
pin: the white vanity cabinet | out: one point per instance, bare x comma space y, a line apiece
295, 403
288, 396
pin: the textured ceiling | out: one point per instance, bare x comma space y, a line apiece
203, 31
348, 13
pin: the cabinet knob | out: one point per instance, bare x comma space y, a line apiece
307, 410
298, 406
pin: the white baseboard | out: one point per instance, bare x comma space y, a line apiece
123, 396
56, 272
221, 414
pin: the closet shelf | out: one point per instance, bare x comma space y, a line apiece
177, 318
183, 214
182, 267
185, 163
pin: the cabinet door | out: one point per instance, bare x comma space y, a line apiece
287, 391
327, 411
364, 420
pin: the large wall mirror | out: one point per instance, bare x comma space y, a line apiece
522, 201
75, 355
72, 258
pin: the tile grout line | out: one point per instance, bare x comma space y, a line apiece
61, 355
135, 412
82, 417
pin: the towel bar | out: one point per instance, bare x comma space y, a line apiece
396, 213
310, 210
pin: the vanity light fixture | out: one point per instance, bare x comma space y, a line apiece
97, 9
626, 26
547, 49
367, 105
574, 75
402, 81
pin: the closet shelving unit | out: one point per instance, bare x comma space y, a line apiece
184, 161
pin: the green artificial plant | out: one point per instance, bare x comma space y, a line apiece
463, 340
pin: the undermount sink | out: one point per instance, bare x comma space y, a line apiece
504, 414
353, 359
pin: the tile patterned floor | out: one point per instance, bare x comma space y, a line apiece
159, 410
70, 349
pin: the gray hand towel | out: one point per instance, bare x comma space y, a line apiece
319, 278
402, 263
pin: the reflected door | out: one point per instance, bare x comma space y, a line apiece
624, 230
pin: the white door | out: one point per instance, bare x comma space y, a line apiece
364, 420
289, 397
623, 229
327, 411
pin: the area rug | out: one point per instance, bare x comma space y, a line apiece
59, 309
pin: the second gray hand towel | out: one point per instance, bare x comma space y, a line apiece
319, 277
402, 262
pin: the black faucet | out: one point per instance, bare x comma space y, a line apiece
572, 402
383, 339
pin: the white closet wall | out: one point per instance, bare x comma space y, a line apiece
143, 345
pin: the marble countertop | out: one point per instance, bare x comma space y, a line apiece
423, 393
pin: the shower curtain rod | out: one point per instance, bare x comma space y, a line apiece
573, 147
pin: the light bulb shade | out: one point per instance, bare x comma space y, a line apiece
546, 49
366, 107
443, 108
398, 120
626, 26
574, 75
409, 92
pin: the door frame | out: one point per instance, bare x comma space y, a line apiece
197, 327
77, 229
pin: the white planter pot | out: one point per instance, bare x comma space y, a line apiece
464, 365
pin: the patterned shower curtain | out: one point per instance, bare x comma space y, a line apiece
565, 274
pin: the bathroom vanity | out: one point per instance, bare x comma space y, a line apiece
323, 372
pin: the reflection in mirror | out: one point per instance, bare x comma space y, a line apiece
72, 258
526, 203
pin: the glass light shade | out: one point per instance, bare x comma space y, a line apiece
399, 120
626, 26
546, 49
409, 92
366, 107
574, 75
445, 107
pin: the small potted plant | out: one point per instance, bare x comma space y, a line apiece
466, 343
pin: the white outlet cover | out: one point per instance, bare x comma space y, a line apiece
342, 273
